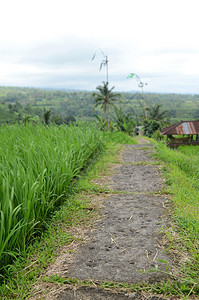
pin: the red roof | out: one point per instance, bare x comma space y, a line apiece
186, 127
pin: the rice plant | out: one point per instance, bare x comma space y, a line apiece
37, 166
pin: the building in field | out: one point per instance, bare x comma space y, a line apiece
183, 133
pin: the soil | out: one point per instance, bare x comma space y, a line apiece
127, 240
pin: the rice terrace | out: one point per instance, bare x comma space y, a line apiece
99, 150
94, 204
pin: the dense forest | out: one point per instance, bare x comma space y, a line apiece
19, 104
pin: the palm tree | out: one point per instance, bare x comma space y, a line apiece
105, 98
156, 114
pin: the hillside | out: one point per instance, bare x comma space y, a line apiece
18, 103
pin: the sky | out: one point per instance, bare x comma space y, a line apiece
50, 43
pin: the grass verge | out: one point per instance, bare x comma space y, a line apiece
169, 289
181, 173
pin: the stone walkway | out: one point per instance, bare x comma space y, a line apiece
126, 241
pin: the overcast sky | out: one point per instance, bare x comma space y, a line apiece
50, 43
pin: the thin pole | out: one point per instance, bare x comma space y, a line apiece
145, 113
141, 85
106, 62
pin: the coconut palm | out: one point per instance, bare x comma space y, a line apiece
105, 98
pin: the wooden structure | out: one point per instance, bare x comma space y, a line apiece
189, 131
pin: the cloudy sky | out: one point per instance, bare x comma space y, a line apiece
50, 43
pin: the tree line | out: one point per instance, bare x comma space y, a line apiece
17, 104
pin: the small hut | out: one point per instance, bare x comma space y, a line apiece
183, 133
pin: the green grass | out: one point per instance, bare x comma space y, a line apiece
182, 176
168, 289
77, 210
119, 137
189, 151
38, 167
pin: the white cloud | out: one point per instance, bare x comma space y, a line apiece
51, 43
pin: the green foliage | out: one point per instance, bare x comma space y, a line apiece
155, 113
47, 114
105, 97
58, 120
150, 126
79, 104
38, 165
119, 137
102, 123
158, 136
189, 151
156, 119
124, 122
183, 178
182, 175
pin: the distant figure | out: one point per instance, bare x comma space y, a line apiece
137, 130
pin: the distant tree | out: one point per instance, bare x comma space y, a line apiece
172, 113
56, 119
196, 114
69, 119
17, 107
20, 118
10, 108
124, 122
155, 113
38, 112
26, 119
47, 115
156, 120
28, 108
105, 98
151, 126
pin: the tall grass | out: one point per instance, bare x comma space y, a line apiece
119, 137
37, 166
182, 173
183, 178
